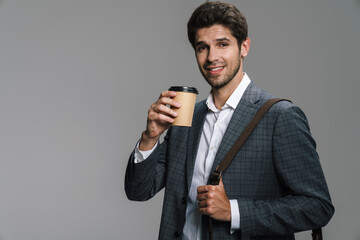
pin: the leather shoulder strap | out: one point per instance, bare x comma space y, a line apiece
216, 175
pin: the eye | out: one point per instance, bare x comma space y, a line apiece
223, 44
201, 48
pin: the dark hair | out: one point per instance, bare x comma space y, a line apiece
210, 13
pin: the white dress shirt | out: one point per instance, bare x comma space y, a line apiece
215, 125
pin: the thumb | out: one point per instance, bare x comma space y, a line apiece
221, 182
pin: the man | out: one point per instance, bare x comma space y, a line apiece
273, 187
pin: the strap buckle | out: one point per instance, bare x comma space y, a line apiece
215, 177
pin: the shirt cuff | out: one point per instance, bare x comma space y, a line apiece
142, 155
235, 216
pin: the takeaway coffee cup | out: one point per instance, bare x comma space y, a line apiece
186, 96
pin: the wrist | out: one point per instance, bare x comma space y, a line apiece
146, 142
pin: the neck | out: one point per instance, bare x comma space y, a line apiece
221, 95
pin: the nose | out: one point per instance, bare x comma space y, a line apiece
213, 55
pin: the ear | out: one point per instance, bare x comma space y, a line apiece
245, 47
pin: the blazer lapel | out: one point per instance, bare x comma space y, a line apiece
194, 139
244, 112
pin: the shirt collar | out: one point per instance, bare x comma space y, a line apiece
235, 97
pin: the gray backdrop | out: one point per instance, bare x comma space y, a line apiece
77, 78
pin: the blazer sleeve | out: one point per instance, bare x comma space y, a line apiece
143, 180
306, 204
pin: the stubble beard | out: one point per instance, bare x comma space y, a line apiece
216, 82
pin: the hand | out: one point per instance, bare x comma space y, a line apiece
214, 202
160, 117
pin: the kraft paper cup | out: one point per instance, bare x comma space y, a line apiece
186, 96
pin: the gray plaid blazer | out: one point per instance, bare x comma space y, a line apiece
276, 176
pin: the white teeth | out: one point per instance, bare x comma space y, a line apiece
215, 69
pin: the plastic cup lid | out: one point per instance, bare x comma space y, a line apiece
184, 89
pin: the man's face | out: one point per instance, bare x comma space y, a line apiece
217, 54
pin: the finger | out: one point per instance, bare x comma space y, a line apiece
206, 211
168, 94
203, 211
204, 203
206, 196
162, 109
165, 118
202, 208
206, 188
201, 197
166, 98
168, 101
160, 117
201, 189
201, 204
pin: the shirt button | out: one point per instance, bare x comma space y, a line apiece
212, 148
176, 234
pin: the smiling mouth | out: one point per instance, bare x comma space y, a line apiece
215, 70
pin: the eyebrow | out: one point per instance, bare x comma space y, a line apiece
199, 43
217, 40
223, 39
